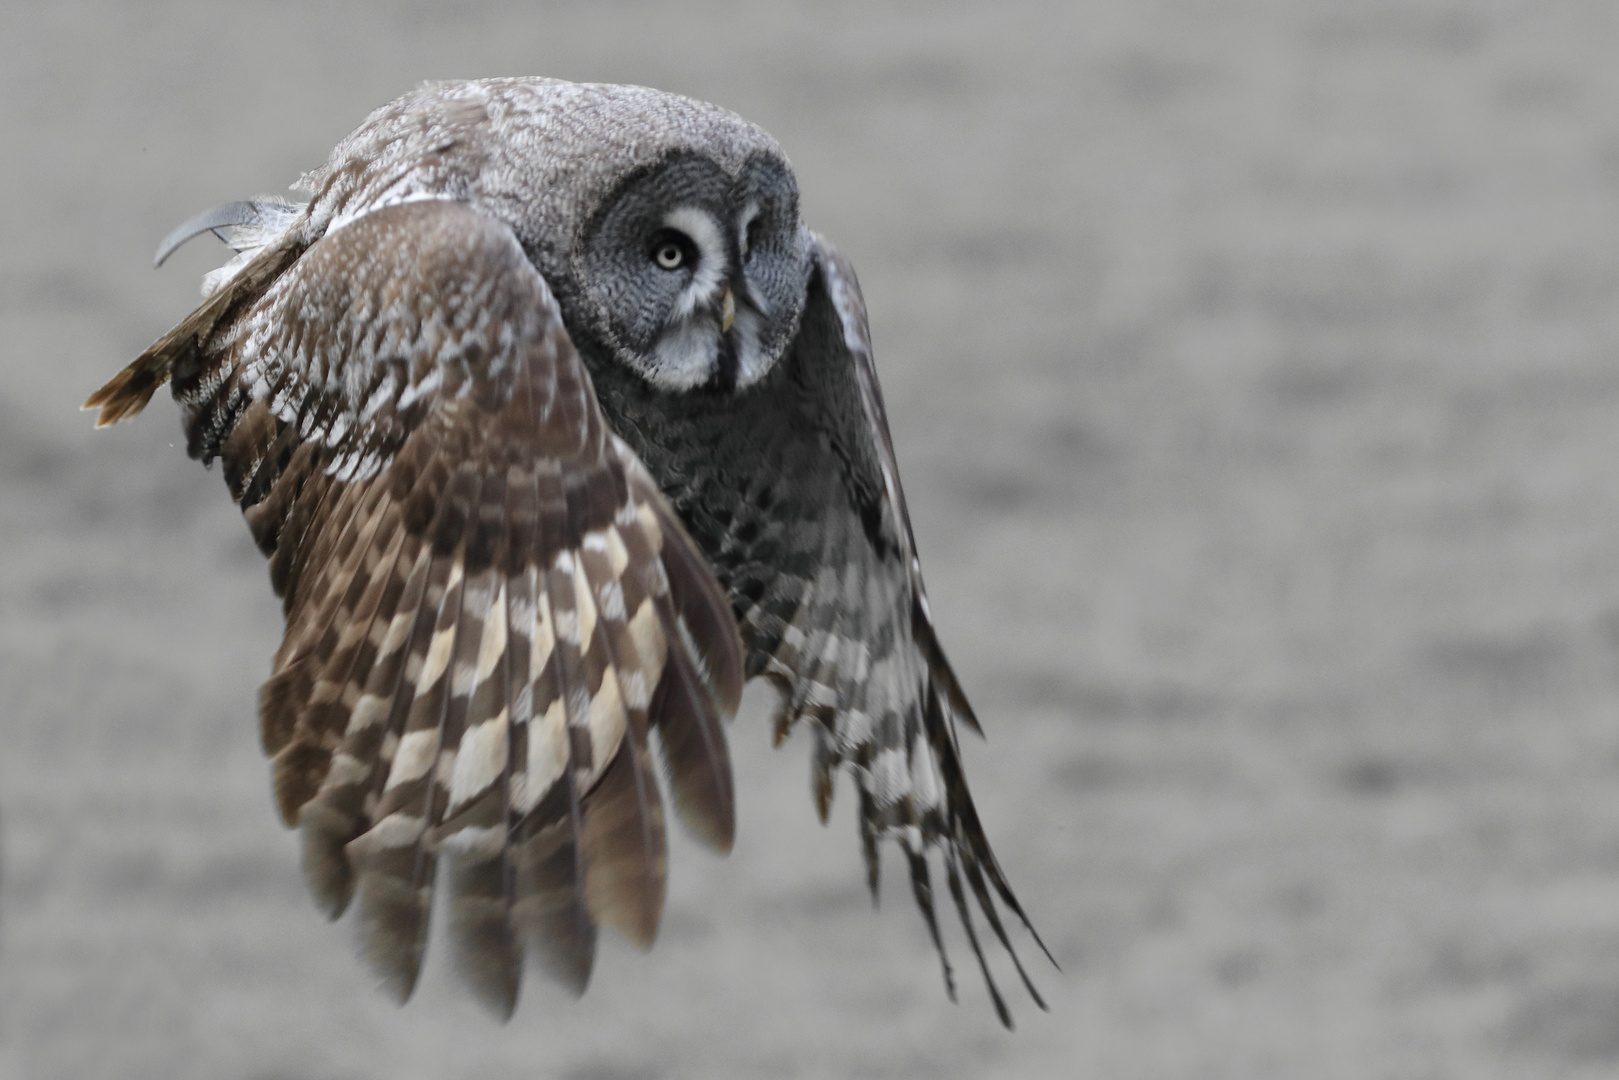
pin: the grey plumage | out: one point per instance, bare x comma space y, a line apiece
472, 397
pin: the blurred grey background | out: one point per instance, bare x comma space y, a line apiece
1253, 372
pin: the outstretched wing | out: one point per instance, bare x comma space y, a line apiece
488, 603
793, 491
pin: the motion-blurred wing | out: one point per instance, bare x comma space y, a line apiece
488, 602
806, 524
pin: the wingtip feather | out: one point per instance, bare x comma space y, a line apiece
701, 784
958, 895
625, 869
125, 394
698, 599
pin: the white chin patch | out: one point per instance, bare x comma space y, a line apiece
684, 357
687, 356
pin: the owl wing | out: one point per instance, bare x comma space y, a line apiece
488, 603
818, 555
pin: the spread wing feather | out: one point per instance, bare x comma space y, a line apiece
489, 605
793, 491
907, 761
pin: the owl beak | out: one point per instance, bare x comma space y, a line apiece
727, 311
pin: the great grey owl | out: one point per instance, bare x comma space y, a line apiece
543, 396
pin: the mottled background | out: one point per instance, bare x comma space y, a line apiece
1252, 368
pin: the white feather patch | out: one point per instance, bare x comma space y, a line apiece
430, 383
606, 722
650, 526
547, 756
647, 633
369, 710
493, 646
346, 770
634, 686
752, 362
743, 220
617, 554
542, 642
480, 760
395, 830
926, 783
438, 658
889, 776
685, 355
444, 768
415, 755
612, 601
698, 658
584, 605
482, 843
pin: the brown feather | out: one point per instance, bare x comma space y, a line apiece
127, 393
683, 708
707, 615
549, 913
482, 590
693, 742
624, 846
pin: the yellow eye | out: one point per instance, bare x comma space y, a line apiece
671, 249
669, 256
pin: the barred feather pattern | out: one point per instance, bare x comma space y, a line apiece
792, 490
489, 604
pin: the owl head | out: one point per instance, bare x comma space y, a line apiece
667, 228
693, 275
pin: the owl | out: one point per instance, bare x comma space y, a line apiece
556, 424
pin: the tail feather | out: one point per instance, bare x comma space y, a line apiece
488, 954
941, 676
824, 762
